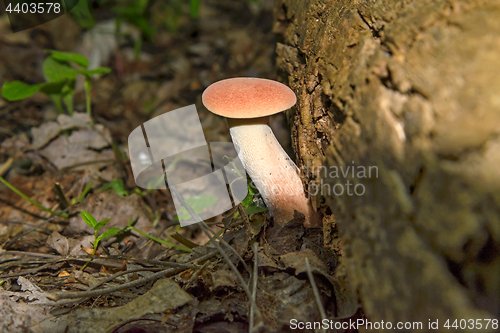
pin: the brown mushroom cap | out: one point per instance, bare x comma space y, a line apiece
247, 97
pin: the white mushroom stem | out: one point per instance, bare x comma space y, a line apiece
272, 171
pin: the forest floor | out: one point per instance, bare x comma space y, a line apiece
123, 288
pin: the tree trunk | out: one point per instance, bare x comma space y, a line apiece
409, 90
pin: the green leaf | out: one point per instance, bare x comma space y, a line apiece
194, 8
89, 219
69, 56
98, 70
108, 233
248, 201
57, 71
198, 203
116, 185
254, 209
82, 15
67, 92
52, 88
57, 100
17, 90
101, 224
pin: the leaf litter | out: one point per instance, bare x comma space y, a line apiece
135, 283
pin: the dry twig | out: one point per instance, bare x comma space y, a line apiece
315, 291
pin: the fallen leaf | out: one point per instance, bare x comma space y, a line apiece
71, 279
12, 321
87, 249
84, 242
78, 120
44, 133
37, 308
165, 295
32, 293
78, 149
63, 274
296, 260
59, 243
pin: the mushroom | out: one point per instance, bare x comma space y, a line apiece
247, 104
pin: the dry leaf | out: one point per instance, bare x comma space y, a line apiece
71, 279
167, 295
59, 243
10, 320
88, 250
63, 274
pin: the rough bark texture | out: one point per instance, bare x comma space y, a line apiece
413, 88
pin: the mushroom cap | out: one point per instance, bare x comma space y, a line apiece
247, 97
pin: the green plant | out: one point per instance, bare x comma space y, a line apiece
60, 76
134, 12
198, 203
249, 204
115, 185
91, 221
194, 8
82, 195
82, 15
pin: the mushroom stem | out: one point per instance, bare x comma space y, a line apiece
272, 171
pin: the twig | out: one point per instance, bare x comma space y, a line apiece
92, 293
226, 244
161, 241
55, 258
85, 257
28, 262
316, 292
31, 254
141, 269
114, 276
205, 229
64, 169
196, 274
244, 215
254, 286
5, 166
26, 272
178, 237
13, 240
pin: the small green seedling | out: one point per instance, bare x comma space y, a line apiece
60, 70
115, 185
91, 221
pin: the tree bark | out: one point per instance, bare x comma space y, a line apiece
411, 89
